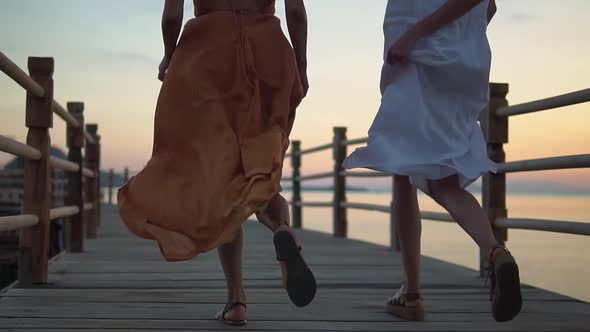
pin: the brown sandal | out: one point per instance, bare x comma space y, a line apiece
396, 305
220, 316
505, 291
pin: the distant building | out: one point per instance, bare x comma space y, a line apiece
11, 200
11, 185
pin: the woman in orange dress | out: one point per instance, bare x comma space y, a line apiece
231, 84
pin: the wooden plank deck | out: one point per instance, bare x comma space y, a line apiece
122, 284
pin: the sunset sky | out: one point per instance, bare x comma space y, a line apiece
107, 52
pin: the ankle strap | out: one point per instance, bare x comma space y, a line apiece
412, 296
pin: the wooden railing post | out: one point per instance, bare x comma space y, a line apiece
393, 234
494, 185
98, 180
340, 222
296, 199
91, 161
34, 242
75, 140
111, 183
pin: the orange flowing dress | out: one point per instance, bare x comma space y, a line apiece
222, 126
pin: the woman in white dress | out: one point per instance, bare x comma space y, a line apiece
434, 84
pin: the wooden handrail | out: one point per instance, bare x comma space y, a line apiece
364, 206
365, 174
323, 175
316, 149
84, 149
313, 204
15, 223
543, 164
88, 173
19, 76
567, 99
24, 80
557, 226
63, 164
63, 212
19, 149
89, 138
355, 141
67, 117
438, 216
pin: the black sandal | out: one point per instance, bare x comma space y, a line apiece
301, 284
397, 306
220, 316
505, 291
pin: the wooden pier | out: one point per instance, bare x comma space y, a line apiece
121, 283
109, 280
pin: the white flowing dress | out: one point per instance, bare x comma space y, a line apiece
426, 127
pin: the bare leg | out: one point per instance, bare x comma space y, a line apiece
407, 215
465, 209
276, 218
276, 215
230, 255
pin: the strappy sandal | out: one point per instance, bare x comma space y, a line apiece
301, 283
397, 306
220, 316
505, 291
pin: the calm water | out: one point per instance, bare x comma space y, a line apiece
558, 262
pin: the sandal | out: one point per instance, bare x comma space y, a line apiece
301, 284
504, 285
220, 316
397, 306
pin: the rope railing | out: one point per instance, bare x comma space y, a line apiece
567, 99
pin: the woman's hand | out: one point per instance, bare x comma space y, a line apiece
163, 68
400, 51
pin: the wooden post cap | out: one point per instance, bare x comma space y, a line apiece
499, 90
41, 66
92, 129
75, 107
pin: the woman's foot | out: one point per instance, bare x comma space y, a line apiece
233, 314
505, 291
298, 279
407, 306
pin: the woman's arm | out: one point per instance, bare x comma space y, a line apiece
297, 25
447, 13
492, 10
171, 26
